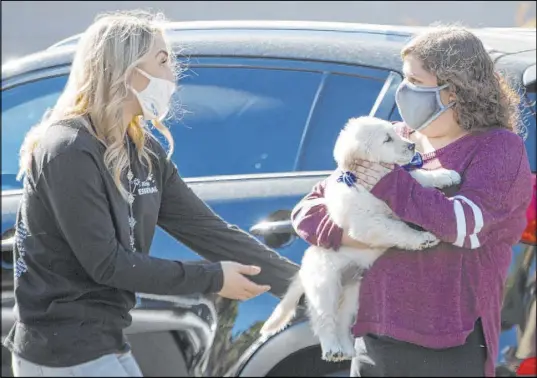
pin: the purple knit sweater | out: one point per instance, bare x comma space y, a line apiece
433, 297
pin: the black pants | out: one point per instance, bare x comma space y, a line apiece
393, 358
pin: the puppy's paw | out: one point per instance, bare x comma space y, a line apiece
428, 240
444, 178
337, 356
332, 352
421, 240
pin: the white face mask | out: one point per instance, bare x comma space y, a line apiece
155, 98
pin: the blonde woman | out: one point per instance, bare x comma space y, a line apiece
437, 312
96, 184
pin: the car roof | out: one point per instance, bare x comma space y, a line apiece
337, 42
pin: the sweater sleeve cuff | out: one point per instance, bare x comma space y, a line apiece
217, 277
331, 237
204, 277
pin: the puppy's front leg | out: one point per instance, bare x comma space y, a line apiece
384, 232
439, 178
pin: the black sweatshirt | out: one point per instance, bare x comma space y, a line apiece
75, 273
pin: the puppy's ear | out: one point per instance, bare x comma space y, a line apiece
346, 146
340, 147
367, 146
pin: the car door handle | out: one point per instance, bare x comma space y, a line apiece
274, 227
7, 244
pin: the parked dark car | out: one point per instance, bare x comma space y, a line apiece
262, 104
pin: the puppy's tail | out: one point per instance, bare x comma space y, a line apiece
285, 311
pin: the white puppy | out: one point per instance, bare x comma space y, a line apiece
332, 303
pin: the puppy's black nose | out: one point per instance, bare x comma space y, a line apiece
411, 146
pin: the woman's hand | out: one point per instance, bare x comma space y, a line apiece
369, 173
236, 286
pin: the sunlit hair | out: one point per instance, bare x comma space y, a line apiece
457, 57
98, 86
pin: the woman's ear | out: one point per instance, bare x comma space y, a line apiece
137, 81
447, 96
451, 97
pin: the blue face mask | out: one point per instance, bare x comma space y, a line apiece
419, 106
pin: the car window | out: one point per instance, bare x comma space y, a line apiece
342, 97
396, 116
227, 120
23, 107
240, 120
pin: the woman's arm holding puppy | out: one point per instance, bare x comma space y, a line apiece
493, 184
312, 222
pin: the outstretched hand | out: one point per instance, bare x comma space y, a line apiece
236, 285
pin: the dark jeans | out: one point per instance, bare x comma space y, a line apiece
395, 358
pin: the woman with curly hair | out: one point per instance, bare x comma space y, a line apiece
437, 312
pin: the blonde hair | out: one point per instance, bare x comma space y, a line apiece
458, 57
106, 55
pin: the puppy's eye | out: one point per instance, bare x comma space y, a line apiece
388, 139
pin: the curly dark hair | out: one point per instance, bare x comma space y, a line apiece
457, 57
